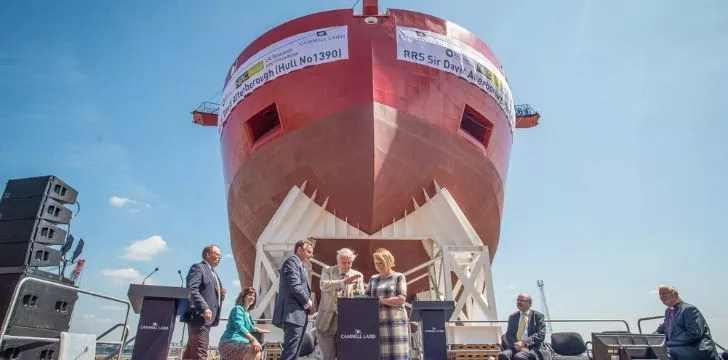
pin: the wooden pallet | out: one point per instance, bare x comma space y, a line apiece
271, 351
473, 351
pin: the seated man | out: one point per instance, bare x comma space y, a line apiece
686, 332
525, 334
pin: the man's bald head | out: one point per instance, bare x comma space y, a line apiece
524, 302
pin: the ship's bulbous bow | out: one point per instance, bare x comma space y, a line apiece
368, 151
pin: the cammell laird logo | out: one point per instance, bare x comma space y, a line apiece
358, 334
434, 330
154, 326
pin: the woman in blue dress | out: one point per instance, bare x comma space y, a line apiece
238, 342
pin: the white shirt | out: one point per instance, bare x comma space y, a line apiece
217, 283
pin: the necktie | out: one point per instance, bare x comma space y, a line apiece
668, 323
217, 287
521, 327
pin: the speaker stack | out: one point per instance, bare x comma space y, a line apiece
34, 239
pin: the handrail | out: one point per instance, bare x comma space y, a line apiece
639, 328
121, 349
552, 321
107, 332
594, 321
640, 320
16, 292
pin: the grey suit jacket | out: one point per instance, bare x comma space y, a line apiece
536, 327
294, 292
689, 329
330, 284
204, 294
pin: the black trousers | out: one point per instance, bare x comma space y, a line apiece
516, 355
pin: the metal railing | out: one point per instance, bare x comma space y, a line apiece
550, 321
640, 320
525, 110
16, 293
208, 108
639, 328
107, 332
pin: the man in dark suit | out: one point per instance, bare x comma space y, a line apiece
526, 333
294, 302
206, 297
686, 332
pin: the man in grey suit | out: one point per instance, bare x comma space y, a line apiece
340, 281
526, 333
206, 297
686, 332
294, 302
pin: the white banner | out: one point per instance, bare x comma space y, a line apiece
296, 52
451, 55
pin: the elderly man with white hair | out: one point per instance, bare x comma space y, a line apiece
336, 281
686, 332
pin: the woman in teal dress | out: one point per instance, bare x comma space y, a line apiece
238, 342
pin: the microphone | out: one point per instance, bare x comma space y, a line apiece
439, 294
150, 274
182, 280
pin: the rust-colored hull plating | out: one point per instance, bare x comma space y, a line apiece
369, 133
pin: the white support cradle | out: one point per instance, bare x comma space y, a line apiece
438, 224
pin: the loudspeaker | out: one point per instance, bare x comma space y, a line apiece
29, 349
38, 306
31, 208
37, 230
49, 186
28, 254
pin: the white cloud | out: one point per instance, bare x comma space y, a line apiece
236, 283
120, 201
228, 255
133, 205
145, 249
653, 292
123, 276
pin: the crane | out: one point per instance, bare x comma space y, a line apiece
545, 307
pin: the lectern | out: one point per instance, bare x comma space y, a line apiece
158, 307
358, 328
432, 316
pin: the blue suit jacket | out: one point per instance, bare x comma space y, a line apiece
690, 330
294, 291
204, 294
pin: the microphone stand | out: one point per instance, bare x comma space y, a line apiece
184, 325
150, 274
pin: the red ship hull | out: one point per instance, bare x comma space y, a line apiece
369, 133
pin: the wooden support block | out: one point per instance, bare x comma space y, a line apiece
473, 351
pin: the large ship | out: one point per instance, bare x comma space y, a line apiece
369, 130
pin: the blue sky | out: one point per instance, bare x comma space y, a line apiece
619, 190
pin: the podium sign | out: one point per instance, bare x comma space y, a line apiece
358, 329
433, 315
158, 308
156, 325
